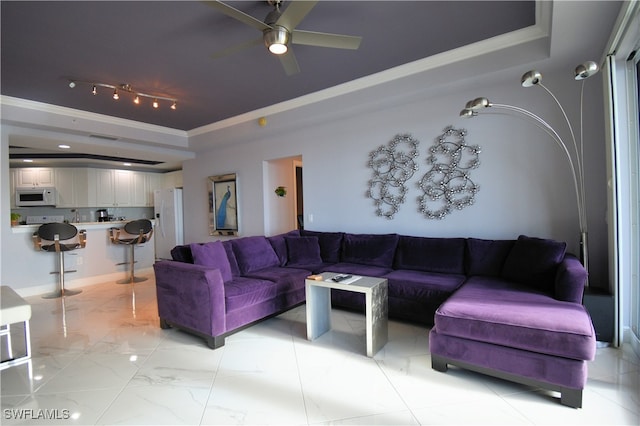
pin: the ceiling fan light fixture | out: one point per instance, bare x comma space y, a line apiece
276, 40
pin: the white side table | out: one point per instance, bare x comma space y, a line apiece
318, 295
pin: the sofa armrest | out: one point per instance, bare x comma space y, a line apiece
571, 278
191, 296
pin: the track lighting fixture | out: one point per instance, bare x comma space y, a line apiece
126, 88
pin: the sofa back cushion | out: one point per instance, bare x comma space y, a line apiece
330, 244
254, 253
534, 261
280, 246
487, 257
303, 250
182, 254
212, 255
233, 262
369, 249
442, 255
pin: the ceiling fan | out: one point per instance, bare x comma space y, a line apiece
279, 32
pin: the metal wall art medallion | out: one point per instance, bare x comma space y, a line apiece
448, 184
392, 166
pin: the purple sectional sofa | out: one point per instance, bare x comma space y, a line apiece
507, 308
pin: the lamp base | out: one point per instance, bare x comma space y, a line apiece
584, 254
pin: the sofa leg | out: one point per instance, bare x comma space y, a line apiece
164, 324
215, 342
438, 364
571, 397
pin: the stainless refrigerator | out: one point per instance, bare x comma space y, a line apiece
169, 225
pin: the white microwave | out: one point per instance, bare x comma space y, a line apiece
43, 196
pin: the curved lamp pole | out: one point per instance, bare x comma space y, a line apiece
574, 153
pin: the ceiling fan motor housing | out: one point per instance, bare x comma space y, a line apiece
278, 36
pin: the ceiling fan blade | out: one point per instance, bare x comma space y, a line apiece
337, 41
289, 63
295, 13
238, 15
236, 48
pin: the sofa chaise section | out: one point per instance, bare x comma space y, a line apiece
525, 325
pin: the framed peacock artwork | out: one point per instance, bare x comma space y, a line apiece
223, 205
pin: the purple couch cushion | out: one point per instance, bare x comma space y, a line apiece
496, 311
487, 257
330, 244
285, 279
444, 255
241, 292
533, 261
212, 255
369, 249
356, 269
303, 251
546, 368
280, 246
231, 256
420, 285
254, 253
182, 254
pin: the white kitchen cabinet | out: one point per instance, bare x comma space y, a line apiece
33, 177
113, 188
72, 186
154, 181
143, 185
139, 188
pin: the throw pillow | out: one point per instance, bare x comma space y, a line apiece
213, 255
303, 250
254, 253
487, 257
330, 244
533, 262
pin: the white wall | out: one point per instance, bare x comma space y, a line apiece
526, 187
279, 214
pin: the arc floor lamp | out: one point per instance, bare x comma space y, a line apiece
574, 152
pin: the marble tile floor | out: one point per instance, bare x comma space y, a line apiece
101, 358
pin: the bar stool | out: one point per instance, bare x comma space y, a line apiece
58, 238
134, 233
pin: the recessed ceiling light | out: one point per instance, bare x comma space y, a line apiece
126, 164
27, 160
63, 146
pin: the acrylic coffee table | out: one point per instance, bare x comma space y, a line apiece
376, 307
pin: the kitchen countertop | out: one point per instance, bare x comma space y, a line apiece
18, 229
